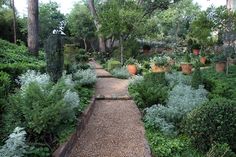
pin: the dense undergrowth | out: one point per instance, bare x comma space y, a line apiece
36, 114
182, 121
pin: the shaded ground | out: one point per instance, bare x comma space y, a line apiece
115, 128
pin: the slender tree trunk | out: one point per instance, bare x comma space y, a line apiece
14, 19
33, 27
85, 45
102, 45
121, 50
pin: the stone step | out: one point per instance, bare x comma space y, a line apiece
113, 97
105, 76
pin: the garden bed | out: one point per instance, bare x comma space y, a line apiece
65, 149
174, 110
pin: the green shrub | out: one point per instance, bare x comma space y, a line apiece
16, 69
196, 78
112, 64
147, 93
156, 77
16, 60
81, 58
121, 73
70, 51
164, 146
12, 53
5, 83
213, 122
220, 150
220, 84
81, 51
42, 108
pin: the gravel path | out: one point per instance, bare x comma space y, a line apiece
95, 65
111, 86
115, 128
102, 73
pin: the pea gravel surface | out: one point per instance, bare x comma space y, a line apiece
115, 128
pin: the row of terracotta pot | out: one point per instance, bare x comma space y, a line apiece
186, 67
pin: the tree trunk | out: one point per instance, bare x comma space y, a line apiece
14, 19
102, 45
121, 50
33, 27
85, 45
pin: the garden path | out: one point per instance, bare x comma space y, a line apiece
115, 128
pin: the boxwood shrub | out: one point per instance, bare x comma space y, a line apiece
215, 121
112, 64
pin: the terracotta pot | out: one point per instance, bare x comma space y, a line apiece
203, 60
196, 52
186, 68
132, 69
159, 69
220, 66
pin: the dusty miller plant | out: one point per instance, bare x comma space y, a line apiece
15, 145
71, 101
120, 73
177, 77
182, 99
85, 77
32, 76
135, 79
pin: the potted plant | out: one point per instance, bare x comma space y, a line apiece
159, 64
220, 62
196, 49
203, 57
131, 66
186, 66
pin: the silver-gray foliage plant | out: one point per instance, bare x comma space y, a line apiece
15, 145
121, 73
177, 77
85, 77
182, 99
71, 99
135, 80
